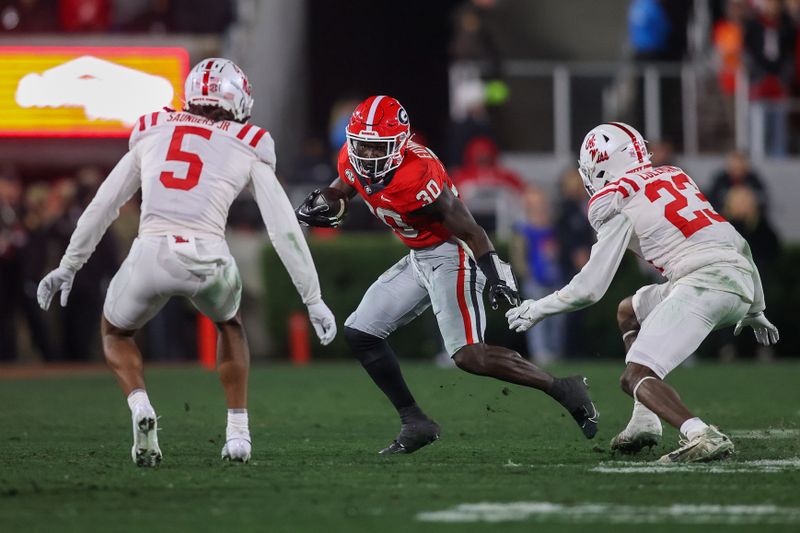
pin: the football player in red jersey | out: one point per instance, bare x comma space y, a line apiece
451, 260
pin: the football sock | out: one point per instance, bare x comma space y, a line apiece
238, 423
640, 411
380, 362
138, 398
693, 427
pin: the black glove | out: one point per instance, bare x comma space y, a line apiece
318, 216
499, 278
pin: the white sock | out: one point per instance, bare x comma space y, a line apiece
238, 425
138, 398
693, 427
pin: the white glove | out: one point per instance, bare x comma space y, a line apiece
765, 332
524, 316
323, 321
59, 279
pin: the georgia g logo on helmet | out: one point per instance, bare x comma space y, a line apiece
377, 135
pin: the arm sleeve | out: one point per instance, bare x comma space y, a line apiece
117, 189
759, 304
284, 231
591, 283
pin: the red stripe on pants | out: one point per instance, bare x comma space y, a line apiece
462, 300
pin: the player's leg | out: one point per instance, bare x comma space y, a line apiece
218, 298
669, 334
644, 427
132, 299
395, 299
456, 291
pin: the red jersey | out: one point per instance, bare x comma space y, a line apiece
417, 182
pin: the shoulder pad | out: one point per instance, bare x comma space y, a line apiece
260, 141
610, 200
145, 123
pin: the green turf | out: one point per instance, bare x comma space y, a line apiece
65, 442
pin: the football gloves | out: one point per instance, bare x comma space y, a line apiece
524, 316
59, 279
318, 216
499, 279
323, 321
763, 329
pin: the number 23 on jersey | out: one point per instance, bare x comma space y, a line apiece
684, 193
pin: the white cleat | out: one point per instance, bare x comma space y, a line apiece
637, 436
145, 451
237, 449
710, 445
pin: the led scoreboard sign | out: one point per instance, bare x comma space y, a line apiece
69, 91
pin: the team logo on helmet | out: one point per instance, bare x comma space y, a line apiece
402, 116
349, 175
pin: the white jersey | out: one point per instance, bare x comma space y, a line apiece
661, 215
192, 169
676, 229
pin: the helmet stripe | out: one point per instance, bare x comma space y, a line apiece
633, 140
372, 109
206, 75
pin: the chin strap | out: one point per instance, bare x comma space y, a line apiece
636, 388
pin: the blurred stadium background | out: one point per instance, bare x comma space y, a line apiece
502, 90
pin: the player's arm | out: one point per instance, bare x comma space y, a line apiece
290, 243
321, 214
766, 333
123, 181
456, 218
588, 286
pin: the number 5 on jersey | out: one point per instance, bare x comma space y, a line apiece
176, 153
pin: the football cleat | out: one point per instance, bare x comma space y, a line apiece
412, 437
145, 451
633, 441
573, 394
710, 445
237, 449
643, 431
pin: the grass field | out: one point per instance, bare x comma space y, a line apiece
65, 463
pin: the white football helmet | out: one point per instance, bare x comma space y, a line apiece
610, 151
220, 82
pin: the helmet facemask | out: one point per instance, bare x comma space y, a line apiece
375, 157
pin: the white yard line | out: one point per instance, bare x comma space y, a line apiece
614, 513
763, 434
762, 466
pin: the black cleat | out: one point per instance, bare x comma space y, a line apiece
573, 394
413, 436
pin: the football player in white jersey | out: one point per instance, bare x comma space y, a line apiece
190, 165
661, 215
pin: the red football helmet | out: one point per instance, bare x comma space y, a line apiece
377, 136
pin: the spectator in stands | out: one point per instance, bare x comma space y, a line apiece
31, 16
38, 216
80, 330
743, 211
728, 37
484, 183
657, 29
769, 55
12, 240
535, 254
737, 172
84, 15
575, 239
469, 120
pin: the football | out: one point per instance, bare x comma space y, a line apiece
336, 201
